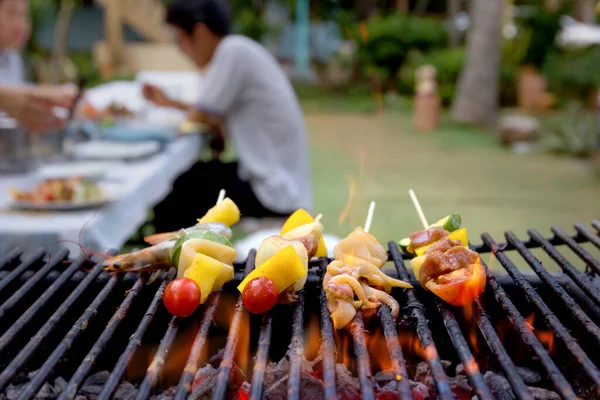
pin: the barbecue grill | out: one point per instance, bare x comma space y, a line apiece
70, 330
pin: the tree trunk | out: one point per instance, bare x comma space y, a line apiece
477, 98
453, 10
402, 6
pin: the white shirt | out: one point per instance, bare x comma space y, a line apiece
11, 68
245, 84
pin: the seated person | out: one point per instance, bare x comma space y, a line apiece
30, 105
247, 98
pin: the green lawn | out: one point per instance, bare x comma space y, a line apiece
453, 169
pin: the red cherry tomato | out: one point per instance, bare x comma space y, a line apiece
260, 295
182, 297
460, 287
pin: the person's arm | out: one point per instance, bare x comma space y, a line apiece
33, 106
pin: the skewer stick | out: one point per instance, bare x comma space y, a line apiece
369, 216
318, 218
221, 196
415, 201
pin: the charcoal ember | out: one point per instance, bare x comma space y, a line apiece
310, 387
216, 359
11, 392
168, 394
419, 391
204, 381
47, 392
94, 384
543, 394
459, 384
126, 391
276, 371
499, 386
348, 387
529, 376
423, 374
384, 377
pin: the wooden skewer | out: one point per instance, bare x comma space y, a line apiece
318, 218
221, 196
415, 201
370, 216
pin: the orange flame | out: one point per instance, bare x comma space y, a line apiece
346, 210
312, 338
410, 343
378, 351
469, 313
545, 337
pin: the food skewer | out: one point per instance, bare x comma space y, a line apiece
444, 264
354, 280
282, 263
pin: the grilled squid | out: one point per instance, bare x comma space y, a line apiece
354, 279
281, 267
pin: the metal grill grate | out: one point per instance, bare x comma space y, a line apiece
31, 293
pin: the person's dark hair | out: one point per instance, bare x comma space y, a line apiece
185, 14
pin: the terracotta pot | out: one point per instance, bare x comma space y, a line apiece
531, 89
427, 110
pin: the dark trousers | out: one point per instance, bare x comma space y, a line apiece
196, 191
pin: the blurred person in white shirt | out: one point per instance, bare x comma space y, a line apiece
32, 106
247, 98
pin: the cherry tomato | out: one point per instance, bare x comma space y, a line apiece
460, 287
182, 297
260, 295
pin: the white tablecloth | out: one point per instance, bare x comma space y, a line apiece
142, 184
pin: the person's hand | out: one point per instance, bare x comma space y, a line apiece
33, 107
156, 95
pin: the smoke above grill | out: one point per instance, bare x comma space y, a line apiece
69, 330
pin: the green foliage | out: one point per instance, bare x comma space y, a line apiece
391, 37
544, 25
249, 22
573, 74
571, 133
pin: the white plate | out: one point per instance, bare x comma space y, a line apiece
109, 150
111, 194
88, 169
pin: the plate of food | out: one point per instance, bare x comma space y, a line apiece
115, 150
62, 194
87, 169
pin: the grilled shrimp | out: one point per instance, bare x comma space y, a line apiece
215, 227
151, 258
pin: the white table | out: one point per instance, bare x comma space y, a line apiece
144, 184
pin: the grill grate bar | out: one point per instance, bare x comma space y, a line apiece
357, 328
327, 343
262, 356
549, 316
19, 361
596, 225
495, 344
581, 280
423, 331
296, 349
191, 365
18, 295
135, 341
158, 361
10, 258
396, 356
222, 382
42, 374
545, 276
562, 386
582, 230
86, 365
27, 316
580, 251
37, 257
465, 355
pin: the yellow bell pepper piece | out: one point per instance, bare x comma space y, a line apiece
416, 263
204, 271
192, 247
299, 218
226, 212
284, 269
459, 234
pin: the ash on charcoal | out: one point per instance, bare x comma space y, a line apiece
60, 384
204, 381
166, 395
310, 387
94, 384
529, 376
126, 391
502, 391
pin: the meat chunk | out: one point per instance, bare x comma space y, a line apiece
423, 238
439, 263
443, 245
